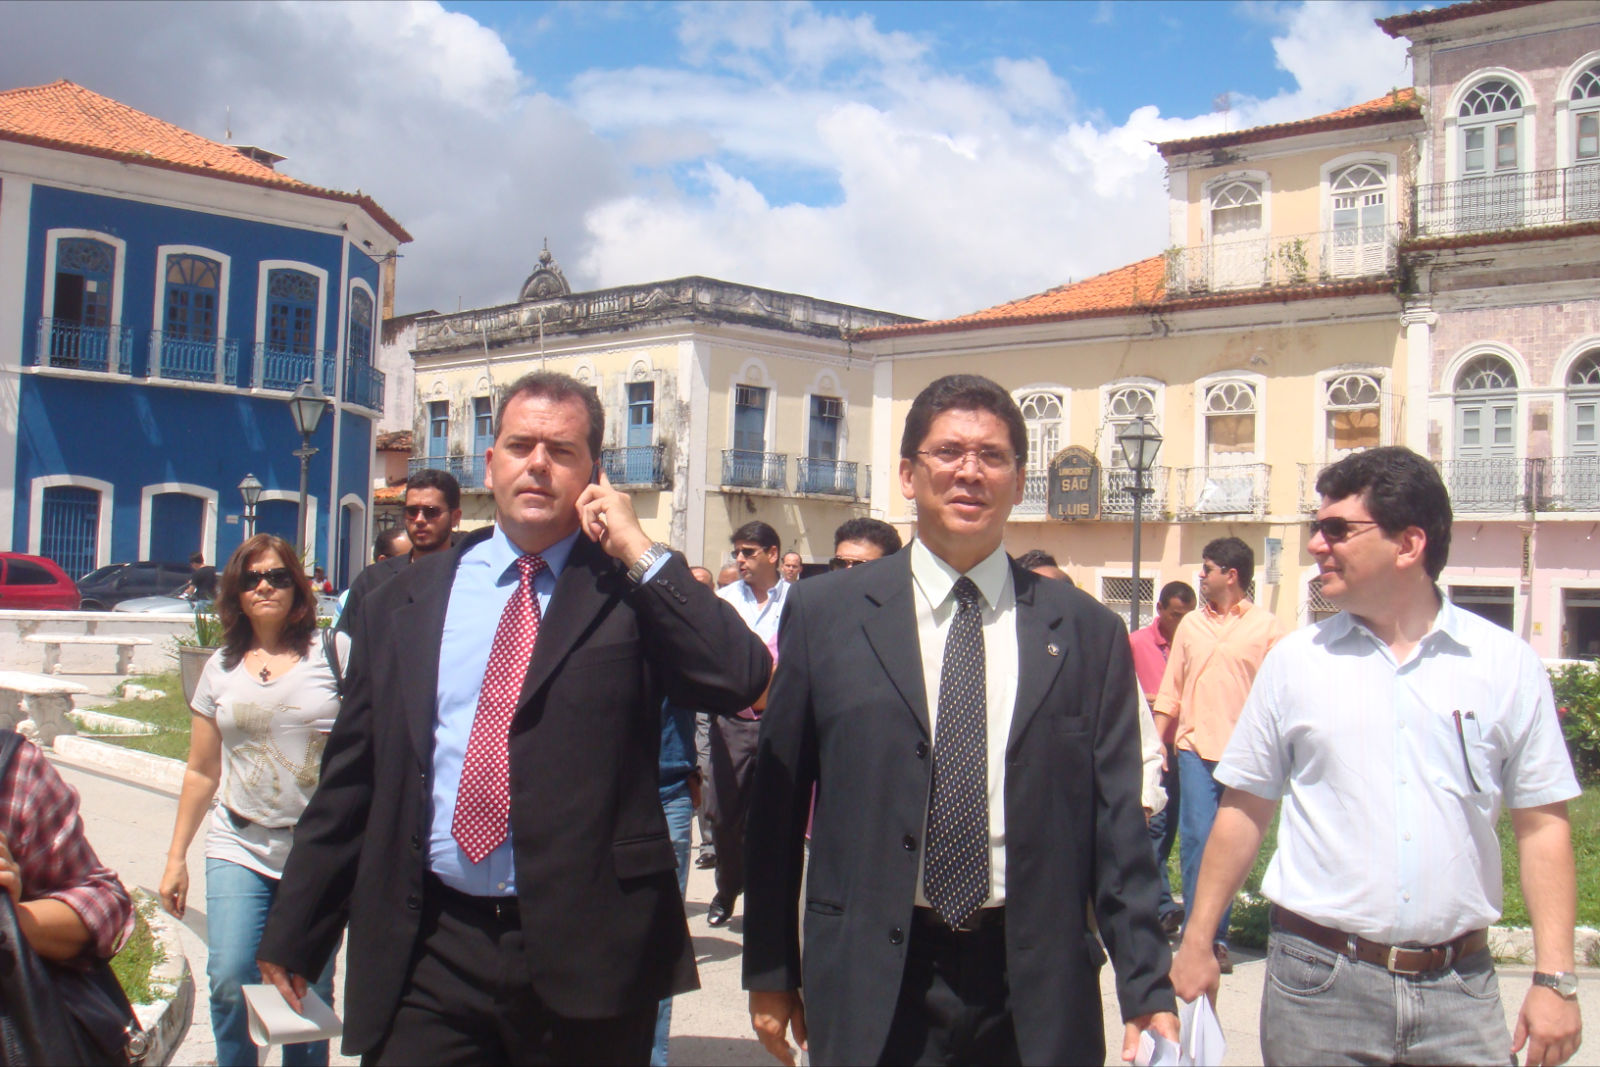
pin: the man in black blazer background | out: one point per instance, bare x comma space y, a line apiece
488, 819
970, 730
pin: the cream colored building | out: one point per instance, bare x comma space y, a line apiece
725, 403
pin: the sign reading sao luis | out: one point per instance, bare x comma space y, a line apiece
1074, 485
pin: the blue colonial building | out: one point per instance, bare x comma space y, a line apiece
161, 296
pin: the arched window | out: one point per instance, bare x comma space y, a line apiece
1585, 110
1353, 403
1583, 406
1484, 374
1360, 220
1486, 410
1230, 414
1042, 413
80, 327
1488, 123
1122, 407
1235, 209
358, 346
191, 307
292, 311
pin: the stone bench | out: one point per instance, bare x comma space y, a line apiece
40, 698
52, 647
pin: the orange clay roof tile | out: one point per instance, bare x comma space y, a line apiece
1396, 105
66, 116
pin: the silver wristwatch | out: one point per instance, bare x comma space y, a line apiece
641, 565
1565, 983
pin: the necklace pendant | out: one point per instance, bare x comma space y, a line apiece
265, 674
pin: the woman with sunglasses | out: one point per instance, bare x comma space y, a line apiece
261, 715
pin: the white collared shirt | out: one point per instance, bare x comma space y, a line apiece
761, 618
933, 592
1392, 774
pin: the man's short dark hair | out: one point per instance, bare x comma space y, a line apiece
1175, 591
963, 392
432, 478
557, 388
197, 559
383, 544
756, 532
1232, 554
1036, 557
1400, 489
872, 531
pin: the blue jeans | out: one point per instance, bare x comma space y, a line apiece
680, 813
1319, 1007
1164, 831
1201, 795
237, 901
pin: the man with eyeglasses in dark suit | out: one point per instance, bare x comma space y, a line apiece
432, 509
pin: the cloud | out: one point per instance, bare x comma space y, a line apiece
774, 144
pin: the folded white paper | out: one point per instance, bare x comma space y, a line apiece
273, 1022
1200, 1040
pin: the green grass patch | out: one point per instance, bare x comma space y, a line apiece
1584, 815
169, 715
133, 964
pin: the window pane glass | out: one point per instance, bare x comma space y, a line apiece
1231, 434
1505, 144
1589, 136
1349, 430
1502, 426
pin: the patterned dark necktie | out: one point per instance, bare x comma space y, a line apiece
956, 874
483, 800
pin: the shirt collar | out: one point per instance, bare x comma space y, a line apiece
1155, 634
1446, 627
1238, 609
500, 555
937, 579
775, 595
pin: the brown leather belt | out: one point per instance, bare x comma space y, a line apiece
1396, 959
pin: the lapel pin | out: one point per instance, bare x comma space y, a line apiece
1053, 648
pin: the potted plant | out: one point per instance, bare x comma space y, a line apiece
196, 648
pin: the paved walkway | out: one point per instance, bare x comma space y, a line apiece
130, 825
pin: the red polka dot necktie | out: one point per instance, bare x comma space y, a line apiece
483, 800
955, 875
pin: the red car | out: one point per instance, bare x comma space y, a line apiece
33, 583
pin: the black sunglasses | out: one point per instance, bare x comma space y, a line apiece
277, 577
1335, 529
839, 563
746, 552
423, 511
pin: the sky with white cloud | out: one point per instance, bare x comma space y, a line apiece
929, 159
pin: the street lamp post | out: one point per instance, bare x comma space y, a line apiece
306, 405
1140, 441
250, 489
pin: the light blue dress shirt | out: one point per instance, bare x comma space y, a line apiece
485, 579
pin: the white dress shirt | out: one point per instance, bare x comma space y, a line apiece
1392, 774
933, 586
761, 618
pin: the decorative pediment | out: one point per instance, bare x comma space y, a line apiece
547, 281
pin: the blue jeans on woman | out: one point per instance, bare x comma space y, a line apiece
1201, 796
680, 813
237, 901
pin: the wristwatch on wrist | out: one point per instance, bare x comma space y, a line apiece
656, 551
1565, 983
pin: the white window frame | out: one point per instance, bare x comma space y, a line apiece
311, 514
263, 271
1560, 431
754, 373
53, 239
1452, 371
1321, 448
1567, 111
1063, 396
1202, 387
1208, 191
208, 515
158, 317
1453, 153
1519, 602
358, 548
102, 541
1108, 448
1558, 595
826, 385
1103, 574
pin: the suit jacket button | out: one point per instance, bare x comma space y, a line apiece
416, 842
908, 843
413, 902
922, 750
896, 936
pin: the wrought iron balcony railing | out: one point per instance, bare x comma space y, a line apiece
1495, 484
637, 465
1303, 259
1310, 500
754, 470
1568, 483
74, 346
188, 359
1508, 201
363, 384
828, 477
278, 367
467, 470
1116, 503
1236, 490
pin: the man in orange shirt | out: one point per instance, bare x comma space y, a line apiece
1215, 655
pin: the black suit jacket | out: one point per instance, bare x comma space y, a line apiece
596, 874
848, 712
371, 576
